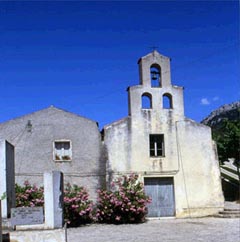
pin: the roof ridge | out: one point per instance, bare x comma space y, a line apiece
48, 108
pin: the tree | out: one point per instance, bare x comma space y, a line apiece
227, 137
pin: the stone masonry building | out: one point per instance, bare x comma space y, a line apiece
174, 157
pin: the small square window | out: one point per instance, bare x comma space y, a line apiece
156, 145
62, 150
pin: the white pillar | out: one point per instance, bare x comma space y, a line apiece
7, 176
53, 199
0, 223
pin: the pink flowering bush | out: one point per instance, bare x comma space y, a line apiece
126, 204
77, 206
29, 195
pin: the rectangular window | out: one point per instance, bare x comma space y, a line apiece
62, 150
156, 145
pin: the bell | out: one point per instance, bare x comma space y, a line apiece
154, 75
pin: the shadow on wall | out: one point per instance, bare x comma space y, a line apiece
102, 166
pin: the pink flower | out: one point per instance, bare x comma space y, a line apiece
26, 183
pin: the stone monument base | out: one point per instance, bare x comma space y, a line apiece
54, 235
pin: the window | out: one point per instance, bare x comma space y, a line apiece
155, 72
167, 101
146, 101
62, 150
156, 145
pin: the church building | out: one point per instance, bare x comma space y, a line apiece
175, 157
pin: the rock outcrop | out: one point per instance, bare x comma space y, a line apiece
227, 111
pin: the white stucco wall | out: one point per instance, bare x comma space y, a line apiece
190, 157
199, 171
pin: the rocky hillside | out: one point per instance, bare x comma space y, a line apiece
227, 111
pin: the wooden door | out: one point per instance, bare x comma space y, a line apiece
161, 191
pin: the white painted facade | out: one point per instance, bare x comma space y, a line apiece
189, 155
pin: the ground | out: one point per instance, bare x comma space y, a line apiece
164, 230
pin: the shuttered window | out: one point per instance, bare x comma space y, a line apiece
156, 145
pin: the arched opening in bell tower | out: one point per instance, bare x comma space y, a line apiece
167, 101
146, 101
155, 74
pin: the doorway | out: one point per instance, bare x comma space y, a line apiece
161, 191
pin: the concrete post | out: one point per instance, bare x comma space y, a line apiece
7, 176
53, 199
0, 223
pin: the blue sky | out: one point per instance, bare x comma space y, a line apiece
81, 56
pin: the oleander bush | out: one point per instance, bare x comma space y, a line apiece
77, 206
127, 203
29, 195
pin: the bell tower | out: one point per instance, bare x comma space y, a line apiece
154, 70
155, 92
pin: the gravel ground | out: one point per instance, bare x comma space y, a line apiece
164, 230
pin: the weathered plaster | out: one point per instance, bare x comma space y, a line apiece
189, 151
